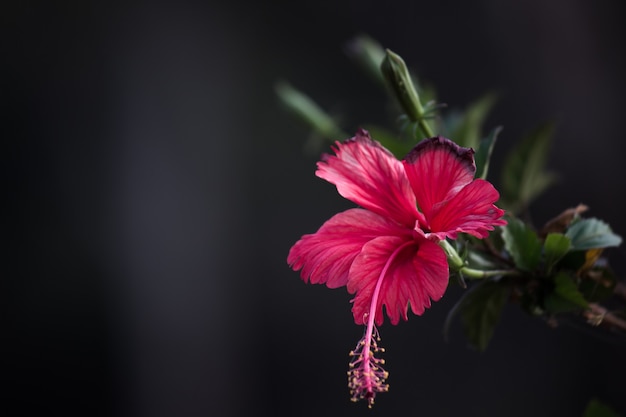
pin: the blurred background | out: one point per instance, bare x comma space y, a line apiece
155, 186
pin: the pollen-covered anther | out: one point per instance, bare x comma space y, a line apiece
366, 376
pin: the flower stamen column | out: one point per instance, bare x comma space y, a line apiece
367, 376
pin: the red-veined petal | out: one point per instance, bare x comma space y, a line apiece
471, 211
437, 169
325, 257
370, 176
417, 274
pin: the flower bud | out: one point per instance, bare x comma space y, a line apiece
399, 80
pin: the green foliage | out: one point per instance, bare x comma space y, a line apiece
522, 243
524, 176
552, 272
598, 284
390, 141
309, 112
555, 247
595, 408
483, 154
592, 234
565, 296
368, 54
467, 129
573, 260
480, 309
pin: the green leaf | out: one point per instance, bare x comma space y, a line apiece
468, 131
555, 247
522, 243
524, 176
483, 154
573, 260
305, 109
592, 234
368, 54
481, 310
598, 284
565, 296
390, 141
595, 408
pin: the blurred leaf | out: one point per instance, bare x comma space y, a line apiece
480, 311
483, 154
468, 130
369, 54
561, 222
305, 109
390, 141
597, 284
591, 257
592, 234
479, 260
565, 296
495, 240
595, 408
555, 247
524, 176
522, 243
426, 91
573, 260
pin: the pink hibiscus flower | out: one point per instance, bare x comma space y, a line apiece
386, 252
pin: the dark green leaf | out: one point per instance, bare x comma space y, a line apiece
522, 243
483, 154
368, 54
565, 296
480, 308
524, 176
468, 131
555, 247
598, 284
595, 408
390, 141
305, 109
592, 234
480, 260
573, 260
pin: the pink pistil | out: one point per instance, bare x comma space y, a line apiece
367, 376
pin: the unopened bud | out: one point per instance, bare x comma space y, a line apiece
399, 80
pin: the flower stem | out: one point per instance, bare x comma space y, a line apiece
480, 274
458, 264
421, 121
454, 259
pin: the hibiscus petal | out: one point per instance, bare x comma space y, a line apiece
437, 169
471, 211
325, 256
370, 176
416, 271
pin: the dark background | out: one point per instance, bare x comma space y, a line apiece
155, 187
